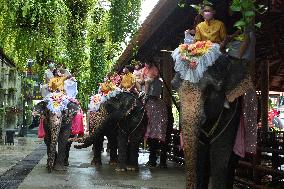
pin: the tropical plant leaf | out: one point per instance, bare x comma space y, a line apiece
249, 13
258, 25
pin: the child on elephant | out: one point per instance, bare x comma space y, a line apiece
128, 81
56, 84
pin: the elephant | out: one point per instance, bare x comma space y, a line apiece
57, 127
208, 128
98, 145
126, 112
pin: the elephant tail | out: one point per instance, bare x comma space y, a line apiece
86, 142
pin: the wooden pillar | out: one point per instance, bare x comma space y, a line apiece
264, 94
167, 65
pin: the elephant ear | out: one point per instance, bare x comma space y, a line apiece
73, 108
238, 80
40, 107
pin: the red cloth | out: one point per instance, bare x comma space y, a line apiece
77, 124
40, 132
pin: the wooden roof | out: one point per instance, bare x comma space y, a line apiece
164, 29
5, 59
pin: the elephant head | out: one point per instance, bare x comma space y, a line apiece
124, 107
202, 105
57, 127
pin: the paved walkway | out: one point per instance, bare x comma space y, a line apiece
12, 154
81, 174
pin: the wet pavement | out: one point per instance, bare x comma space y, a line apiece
81, 174
12, 154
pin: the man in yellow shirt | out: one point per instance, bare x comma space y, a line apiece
211, 29
56, 84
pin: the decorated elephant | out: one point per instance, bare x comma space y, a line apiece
58, 112
127, 113
208, 127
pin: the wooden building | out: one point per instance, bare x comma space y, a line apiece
10, 95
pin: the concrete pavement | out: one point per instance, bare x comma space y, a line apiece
81, 174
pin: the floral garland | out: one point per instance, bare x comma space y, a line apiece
107, 90
56, 102
190, 53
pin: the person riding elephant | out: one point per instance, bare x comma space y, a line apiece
212, 108
57, 128
127, 113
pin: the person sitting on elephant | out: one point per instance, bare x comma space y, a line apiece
210, 29
138, 76
48, 75
116, 79
56, 84
213, 30
128, 80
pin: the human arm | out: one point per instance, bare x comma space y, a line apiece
197, 36
244, 45
222, 32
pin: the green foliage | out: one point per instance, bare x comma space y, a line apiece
82, 34
248, 9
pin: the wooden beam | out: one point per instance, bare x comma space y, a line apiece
167, 65
264, 94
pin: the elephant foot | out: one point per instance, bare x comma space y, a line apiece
112, 162
49, 169
60, 168
66, 163
96, 162
118, 169
163, 166
132, 168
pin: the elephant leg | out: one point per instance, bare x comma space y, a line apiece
133, 151
221, 152
47, 141
97, 149
202, 166
62, 146
122, 141
67, 150
112, 141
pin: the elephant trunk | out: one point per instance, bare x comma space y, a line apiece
191, 109
86, 142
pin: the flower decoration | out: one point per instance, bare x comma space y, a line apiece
56, 102
191, 52
107, 87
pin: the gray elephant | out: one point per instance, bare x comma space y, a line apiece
208, 127
57, 127
126, 113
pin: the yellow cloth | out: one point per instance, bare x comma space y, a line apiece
57, 83
128, 80
213, 30
107, 86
